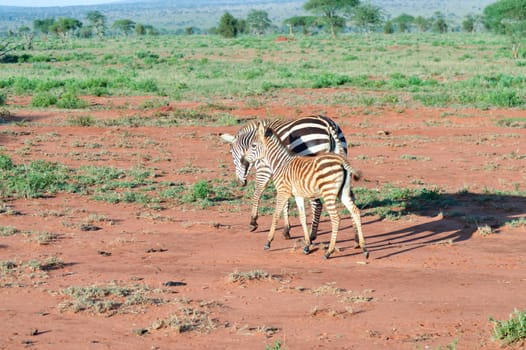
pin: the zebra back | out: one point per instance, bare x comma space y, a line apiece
304, 136
299, 175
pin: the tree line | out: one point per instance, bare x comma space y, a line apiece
333, 16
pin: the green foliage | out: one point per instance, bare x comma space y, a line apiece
367, 16
228, 26
324, 80
502, 15
125, 26
6, 163
276, 346
70, 100
329, 10
43, 99
258, 20
31, 181
199, 191
511, 331
3, 98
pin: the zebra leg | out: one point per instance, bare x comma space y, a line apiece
281, 201
262, 179
300, 202
286, 227
317, 206
356, 216
335, 224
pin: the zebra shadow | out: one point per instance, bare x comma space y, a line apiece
451, 218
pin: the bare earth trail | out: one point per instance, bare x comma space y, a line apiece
432, 279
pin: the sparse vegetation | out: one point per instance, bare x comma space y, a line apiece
90, 157
512, 330
242, 277
114, 297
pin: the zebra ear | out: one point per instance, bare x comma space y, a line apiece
261, 130
228, 138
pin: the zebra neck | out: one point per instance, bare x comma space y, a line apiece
277, 154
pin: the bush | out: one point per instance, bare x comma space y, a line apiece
5, 162
44, 99
70, 101
505, 98
2, 99
329, 80
510, 331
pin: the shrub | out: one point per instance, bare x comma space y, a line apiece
510, 331
329, 80
5, 162
82, 120
69, 100
505, 98
44, 99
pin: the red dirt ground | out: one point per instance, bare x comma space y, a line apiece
433, 279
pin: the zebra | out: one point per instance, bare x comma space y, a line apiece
326, 176
305, 136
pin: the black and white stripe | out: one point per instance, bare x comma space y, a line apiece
304, 136
325, 175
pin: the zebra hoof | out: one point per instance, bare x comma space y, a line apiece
326, 256
253, 226
366, 254
267, 246
306, 250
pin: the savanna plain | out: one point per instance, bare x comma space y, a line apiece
122, 225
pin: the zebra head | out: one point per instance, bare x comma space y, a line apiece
239, 145
257, 149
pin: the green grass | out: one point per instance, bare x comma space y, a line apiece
512, 330
454, 69
136, 185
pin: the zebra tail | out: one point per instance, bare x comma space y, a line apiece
336, 145
356, 174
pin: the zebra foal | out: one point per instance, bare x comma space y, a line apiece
304, 136
326, 176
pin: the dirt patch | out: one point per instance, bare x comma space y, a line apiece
131, 276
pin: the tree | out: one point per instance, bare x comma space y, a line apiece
304, 22
6, 45
65, 26
26, 33
258, 20
403, 22
439, 23
507, 17
43, 25
422, 23
330, 10
367, 16
228, 26
468, 24
124, 25
389, 27
98, 22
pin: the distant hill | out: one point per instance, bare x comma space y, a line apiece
173, 15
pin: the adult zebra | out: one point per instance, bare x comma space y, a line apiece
325, 175
304, 136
